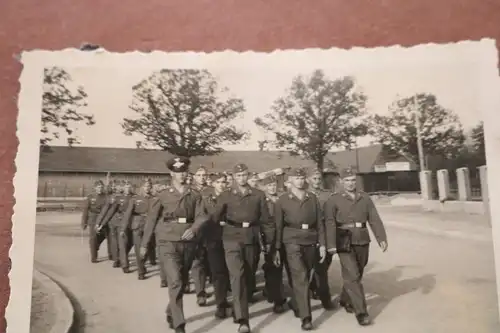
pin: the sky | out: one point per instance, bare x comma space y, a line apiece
449, 73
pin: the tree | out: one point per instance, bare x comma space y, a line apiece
61, 102
440, 129
477, 136
185, 112
316, 115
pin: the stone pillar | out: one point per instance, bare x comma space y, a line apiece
483, 177
426, 184
463, 181
443, 180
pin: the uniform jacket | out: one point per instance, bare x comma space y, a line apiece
171, 214
341, 208
212, 231
299, 221
117, 206
249, 207
137, 211
92, 207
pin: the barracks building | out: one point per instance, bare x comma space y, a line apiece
71, 171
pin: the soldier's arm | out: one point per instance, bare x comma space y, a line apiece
102, 213
127, 217
321, 224
220, 208
329, 212
85, 212
375, 222
113, 207
267, 225
201, 216
151, 221
279, 223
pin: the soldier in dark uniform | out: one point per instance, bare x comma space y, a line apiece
112, 229
212, 238
245, 213
109, 238
114, 216
319, 284
299, 228
346, 214
172, 219
134, 219
273, 275
158, 188
200, 269
91, 209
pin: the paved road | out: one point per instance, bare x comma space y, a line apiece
424, 283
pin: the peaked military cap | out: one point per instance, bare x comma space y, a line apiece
296, 172
178, 164
240, 167
218, 175
316, 172
347, 172
269, 180
98, 183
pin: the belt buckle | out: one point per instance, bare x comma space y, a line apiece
358, 224
304, 226
181, 220
245, 224
222, 223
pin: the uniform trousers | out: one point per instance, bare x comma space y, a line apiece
177, 258
240, 259
125, 244
137, 234
273, 277
96, 239
199, 271
114, 235
320, 283
353, 265
218, 267
109, 241
300, 260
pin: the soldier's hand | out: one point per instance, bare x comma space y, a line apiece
322, 254
332, 251
267, 248
188, 234
383, 245
277, 259
98, 228
142, 252
122, 233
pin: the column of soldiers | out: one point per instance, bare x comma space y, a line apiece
219, 231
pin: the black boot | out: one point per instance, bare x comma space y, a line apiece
163, 284
116, 264
348, 307
363, 319
306, 324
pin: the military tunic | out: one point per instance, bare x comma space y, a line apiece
135, 220
320, 285
245, 216
299, 228
172, 214
342, 211
112, 231
114, 216
91, 209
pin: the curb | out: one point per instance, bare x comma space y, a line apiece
65, 311
435, 232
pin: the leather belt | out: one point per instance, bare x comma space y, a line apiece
352, 225
303, 226
237, 224
179, 220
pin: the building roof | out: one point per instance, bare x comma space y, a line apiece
132, 160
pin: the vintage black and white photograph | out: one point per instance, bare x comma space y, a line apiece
327, 190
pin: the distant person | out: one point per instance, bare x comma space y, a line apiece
347, 213
92, 207
253, 180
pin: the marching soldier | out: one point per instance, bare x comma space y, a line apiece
113, 230
91, 210
114, 216
319, 285
299, 228
244, 211
172, 219
347, 213
212, 237
200, 270
273, 275
134, 219
158, 188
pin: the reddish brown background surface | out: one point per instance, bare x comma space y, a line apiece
204, 25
